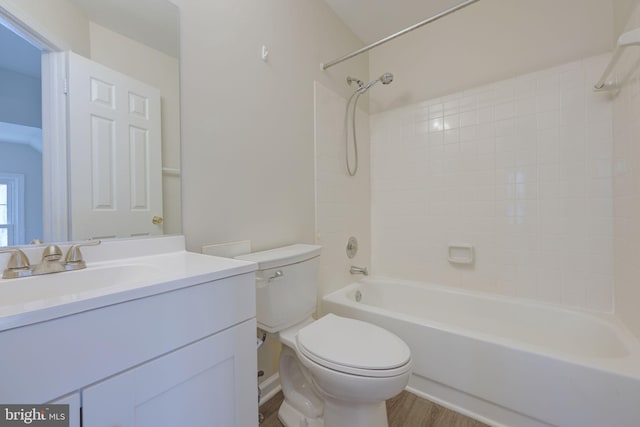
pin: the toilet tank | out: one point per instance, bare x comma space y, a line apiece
286, 285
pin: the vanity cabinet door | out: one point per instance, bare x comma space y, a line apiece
73, 400
211, 382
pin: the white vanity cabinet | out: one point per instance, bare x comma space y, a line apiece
183, 355
73, 400
196, 386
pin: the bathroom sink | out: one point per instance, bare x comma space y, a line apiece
116, 272
35, 291
36, 298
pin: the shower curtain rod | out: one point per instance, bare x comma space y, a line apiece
398, 34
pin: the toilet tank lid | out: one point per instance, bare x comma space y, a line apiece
280, 257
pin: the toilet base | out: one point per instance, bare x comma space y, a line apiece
337, 415
348, 414
291, 417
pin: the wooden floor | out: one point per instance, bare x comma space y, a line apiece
404, 410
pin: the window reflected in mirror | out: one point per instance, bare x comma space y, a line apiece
12, 211
4, 219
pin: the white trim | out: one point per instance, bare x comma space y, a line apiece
55, 212
269, 388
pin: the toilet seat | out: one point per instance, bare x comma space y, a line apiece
353, 347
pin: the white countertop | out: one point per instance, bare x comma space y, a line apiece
148, 267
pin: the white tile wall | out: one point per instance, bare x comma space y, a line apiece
521, 169
626, 180
342, 201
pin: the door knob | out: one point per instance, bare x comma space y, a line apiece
157, 220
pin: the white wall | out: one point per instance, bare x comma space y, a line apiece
20, 99
247, 125
489, 41
342, 202
626, 179
521, 169
623, 10
58, 20
161, 71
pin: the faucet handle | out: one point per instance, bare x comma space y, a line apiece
18, 260
74, 256
359, 270
17, 265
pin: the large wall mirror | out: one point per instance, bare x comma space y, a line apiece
89, 120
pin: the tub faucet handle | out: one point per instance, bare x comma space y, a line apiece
359, 270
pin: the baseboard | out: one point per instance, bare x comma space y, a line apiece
269, 388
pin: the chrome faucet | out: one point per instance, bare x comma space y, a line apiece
18, 265
50, 262
358, 270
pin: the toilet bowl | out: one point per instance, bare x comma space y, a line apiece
343, 371
334, 371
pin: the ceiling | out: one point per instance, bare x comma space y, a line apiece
372, 20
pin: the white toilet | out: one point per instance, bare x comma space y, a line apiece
335, 372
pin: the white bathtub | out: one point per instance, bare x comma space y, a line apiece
505, 361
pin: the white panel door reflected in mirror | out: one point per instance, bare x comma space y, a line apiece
114, 153
138, 39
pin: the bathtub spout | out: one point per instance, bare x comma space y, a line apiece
359, 270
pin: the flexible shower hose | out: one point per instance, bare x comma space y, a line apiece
356, 94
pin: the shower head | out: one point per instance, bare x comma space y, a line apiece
386, 78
